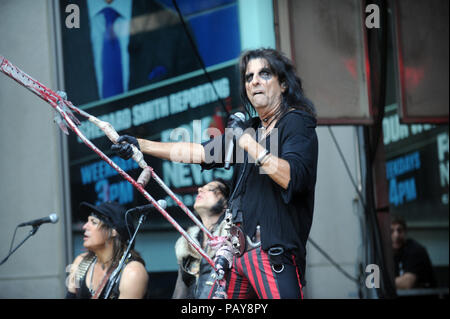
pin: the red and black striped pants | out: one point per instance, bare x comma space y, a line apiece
252, 276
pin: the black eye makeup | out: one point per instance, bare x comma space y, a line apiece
265, 74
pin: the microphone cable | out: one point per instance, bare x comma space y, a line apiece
10, 247
207, 75
198, 56
335, 264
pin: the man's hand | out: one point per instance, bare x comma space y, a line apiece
235, 122
406, 281
123, 147
236, 125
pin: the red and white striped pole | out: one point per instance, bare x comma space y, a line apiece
56, 101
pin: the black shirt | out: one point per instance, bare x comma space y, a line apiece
413, 258
285, 216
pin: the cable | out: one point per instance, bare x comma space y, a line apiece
197, 54
346, 166
10, 248
379, 59
12, 241
126, 223
335, 264
11, 251
194, 47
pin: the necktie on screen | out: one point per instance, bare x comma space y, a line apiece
111, 57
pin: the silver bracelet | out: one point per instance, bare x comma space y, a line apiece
261, 157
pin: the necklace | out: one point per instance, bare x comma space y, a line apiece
266, 128
268, 125
265, 120
91, 289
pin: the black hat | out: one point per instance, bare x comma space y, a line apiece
112, 214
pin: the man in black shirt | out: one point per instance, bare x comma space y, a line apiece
412, 264
274, 175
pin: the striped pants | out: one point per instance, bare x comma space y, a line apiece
253, 275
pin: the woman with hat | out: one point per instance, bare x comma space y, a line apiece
106, 236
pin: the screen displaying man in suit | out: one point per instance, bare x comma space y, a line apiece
122, 45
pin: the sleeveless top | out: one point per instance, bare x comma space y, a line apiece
80, 277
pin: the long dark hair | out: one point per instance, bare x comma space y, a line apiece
282, 67
224, 189
119, 247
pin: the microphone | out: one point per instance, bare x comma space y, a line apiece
145, 209
52, 218
230, 145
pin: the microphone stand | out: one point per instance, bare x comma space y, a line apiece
31, 233
113, 280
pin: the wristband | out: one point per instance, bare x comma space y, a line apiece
261, 157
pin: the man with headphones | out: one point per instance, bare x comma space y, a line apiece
195, 273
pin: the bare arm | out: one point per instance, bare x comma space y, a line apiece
406, 281
277, 168
133, 284
176, 152
71, 282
